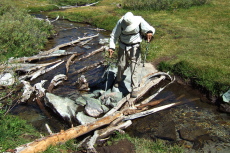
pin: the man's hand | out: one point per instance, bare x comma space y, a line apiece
111, 51
149, 36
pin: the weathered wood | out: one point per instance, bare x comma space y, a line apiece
43, 143
87, 68
66, 44
58, 79
28, 90
69, 61
43, 70
26, 67
90, 54
39, 57
154, 110
152, 103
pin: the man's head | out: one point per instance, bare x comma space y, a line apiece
131, 21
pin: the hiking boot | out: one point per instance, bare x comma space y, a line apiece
134, 94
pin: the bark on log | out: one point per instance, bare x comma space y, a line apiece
43, 143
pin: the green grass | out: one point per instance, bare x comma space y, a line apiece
162, 4
14, 132
147, 146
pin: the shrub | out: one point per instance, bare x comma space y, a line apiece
20, 33
162, 4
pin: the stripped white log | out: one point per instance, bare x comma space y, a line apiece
66, 44
25, 67
43, 70
151, 111
102, 48
39, 57
28, 90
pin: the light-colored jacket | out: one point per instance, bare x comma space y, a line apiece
124, 38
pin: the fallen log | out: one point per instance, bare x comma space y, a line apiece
43, 70
90, 54
39, 57
25, 67
43, 143
87, 68
100, 134
69, 61
66, 44
154, 110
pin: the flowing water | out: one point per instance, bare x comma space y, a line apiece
195, 125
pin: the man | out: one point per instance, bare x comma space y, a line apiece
128, 32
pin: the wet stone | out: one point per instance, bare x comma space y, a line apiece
191, 133
80, 101
93, 107
225, 107
84, 119
65, 107
167, 131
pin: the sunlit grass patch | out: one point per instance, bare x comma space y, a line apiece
148, 146
162, 4
14, 132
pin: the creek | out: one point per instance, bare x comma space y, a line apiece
197, 125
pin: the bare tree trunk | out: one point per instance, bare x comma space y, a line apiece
43, 143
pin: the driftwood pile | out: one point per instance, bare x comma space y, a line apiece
117, 119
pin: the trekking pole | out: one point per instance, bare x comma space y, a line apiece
107, 76
144, 59
146, 52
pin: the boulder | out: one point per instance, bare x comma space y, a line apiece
84, 119
93, 107
6, 79
63, 106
